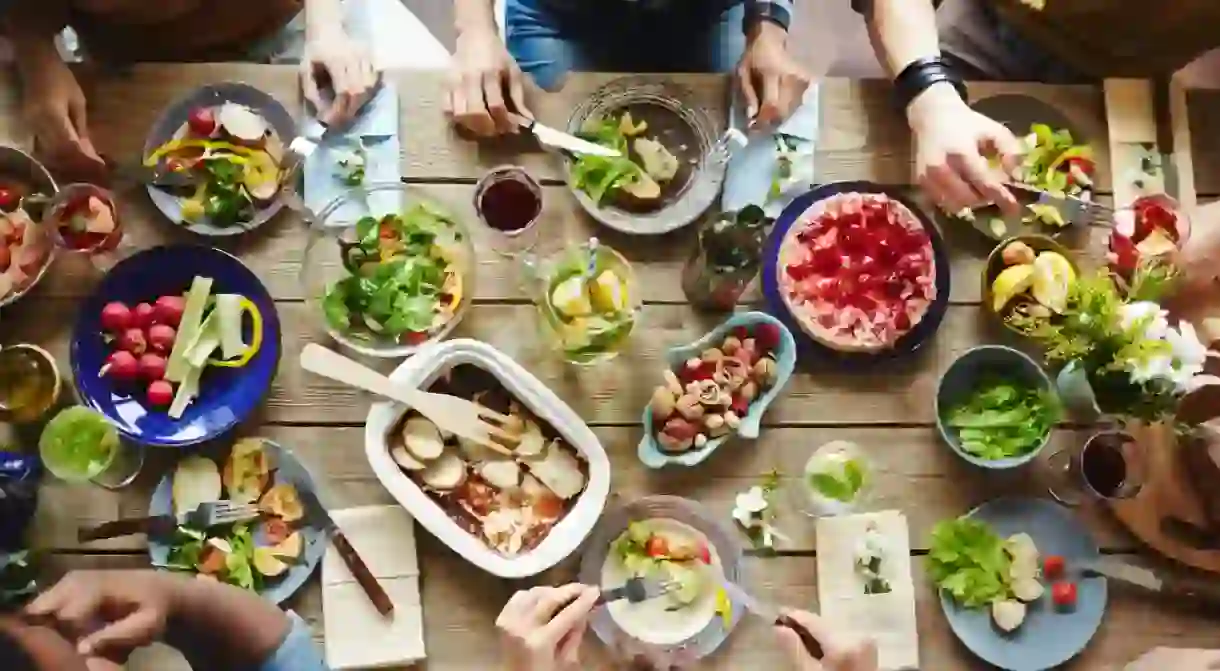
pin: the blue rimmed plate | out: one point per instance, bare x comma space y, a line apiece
227, 396
905, 345
1047, 637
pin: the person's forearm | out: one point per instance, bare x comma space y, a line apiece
322, 16
32, 27
473, 15
218, 626
903, 31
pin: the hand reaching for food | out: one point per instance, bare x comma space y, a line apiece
541, 629
55, 110
1178, 659
772, 82
483, 71
839, 652
953, 143
335, 61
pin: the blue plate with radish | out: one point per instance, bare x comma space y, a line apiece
178, 345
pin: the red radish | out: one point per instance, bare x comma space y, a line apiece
121, 365
116, 317
202, 121
133, 340
152, 366
1064, 594
8, 198
161, 338
160, 393
1053, 566
169, 309
143, 316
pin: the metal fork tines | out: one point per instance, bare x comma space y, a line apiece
639, 589
1075, 210
219, 513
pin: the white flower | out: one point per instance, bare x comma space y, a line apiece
749, 506
1157, 319
1149, 368
1190, 355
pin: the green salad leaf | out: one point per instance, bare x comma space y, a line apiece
1003, 419
598, 175
969, 561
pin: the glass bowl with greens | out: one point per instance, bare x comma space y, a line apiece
837, 480
386, 285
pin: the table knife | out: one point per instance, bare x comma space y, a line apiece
318, 515
560, 140
203, 517
772, 615
1168, 584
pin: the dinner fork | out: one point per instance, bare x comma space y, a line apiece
1075, 210
458, 416
209, 514
638, 589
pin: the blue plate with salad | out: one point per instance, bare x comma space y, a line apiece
1012, 586
274, 554
177, 345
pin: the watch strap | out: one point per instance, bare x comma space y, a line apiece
923, 73
778, 12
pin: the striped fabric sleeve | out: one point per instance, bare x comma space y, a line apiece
776, 11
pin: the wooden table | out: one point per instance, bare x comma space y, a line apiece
889, 411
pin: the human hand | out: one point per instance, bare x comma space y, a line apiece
1178, 659
109, 613
772, 82
952, 145
541, 629
482, 67
839, 652
343, 65
54, 107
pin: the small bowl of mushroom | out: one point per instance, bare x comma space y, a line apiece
717, 387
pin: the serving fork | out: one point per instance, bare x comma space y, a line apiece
207, 515
1074, 210
458, 416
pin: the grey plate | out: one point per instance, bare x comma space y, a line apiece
1048, 637
176, 114
699, 192
285, 468
15, 162
1018, 113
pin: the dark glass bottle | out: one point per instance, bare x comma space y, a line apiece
727, 256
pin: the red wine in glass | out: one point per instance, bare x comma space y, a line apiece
1109, 467
508, 200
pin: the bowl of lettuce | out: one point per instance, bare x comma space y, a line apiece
384, 285
995, 407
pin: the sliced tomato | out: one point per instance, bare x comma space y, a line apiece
657, 547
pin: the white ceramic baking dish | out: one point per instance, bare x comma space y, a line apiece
420, 371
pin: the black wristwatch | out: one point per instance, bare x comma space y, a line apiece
922, 74
773, 12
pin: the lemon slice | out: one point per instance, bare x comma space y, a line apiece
1010, 283
569, 298
608, 293
1053, 276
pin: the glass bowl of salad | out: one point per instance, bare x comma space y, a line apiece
386, 285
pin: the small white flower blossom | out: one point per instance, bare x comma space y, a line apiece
750, 504
1157, 319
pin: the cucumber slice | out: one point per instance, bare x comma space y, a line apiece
229, 314
188, 329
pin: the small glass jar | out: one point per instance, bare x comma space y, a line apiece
726, 258
837, 480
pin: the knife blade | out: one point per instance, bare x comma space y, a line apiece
1163, 118
318, 514
561, 140
772, 615
1162, 583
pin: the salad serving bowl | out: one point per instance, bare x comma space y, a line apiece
996, 264
958, 382
651, 454
433, 362
327, 254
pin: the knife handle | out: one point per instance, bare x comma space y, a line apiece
126, 527
360, 570
811, 644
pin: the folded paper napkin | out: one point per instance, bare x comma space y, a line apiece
357, 636
375, 129
754, 172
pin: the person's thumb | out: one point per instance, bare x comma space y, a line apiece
790, 642
1006, 146
134, 631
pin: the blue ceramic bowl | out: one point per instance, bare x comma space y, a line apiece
905, 345
227, 395
959, 381
785, 359
1048, 637
285, 467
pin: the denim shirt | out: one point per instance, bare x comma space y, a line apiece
298, 651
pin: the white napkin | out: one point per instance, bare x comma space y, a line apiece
751, 174
889, 619
356, 635
376, 129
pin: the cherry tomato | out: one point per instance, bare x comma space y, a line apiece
8, 199
201, 121
1053, 566
656, 547
705, 555
1064, 594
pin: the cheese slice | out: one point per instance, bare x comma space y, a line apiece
888, 618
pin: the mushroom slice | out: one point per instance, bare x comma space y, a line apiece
241, 122
422, 438
1022, 549
559, 471
532, 441
659, 162
643, 187
405, 461
1008, 614
501, 473
1027, 589
447, 472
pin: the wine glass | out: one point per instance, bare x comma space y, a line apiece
509, 201
1110, 466
85, 222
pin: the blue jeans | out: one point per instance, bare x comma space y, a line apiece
549, 42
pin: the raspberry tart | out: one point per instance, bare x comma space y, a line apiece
857, 271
